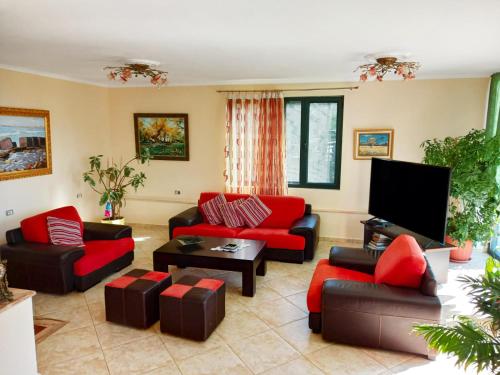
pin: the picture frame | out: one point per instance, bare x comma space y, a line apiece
165, 135
25, 143
369, 143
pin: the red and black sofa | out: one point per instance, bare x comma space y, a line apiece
34, 263
358, 299
291, 231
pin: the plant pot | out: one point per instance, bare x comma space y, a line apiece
460, 254
120, 221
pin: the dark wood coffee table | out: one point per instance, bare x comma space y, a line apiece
249, 260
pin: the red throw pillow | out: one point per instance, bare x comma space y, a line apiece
211, 209
64, 232
230, 215
253, 211
401, 264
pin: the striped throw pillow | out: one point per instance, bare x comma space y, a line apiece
230, 215
64, 232
253, 211
211, 209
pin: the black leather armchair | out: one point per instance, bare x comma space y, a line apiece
375, 315
49, 268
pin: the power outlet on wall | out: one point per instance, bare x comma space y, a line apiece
177, 192
79, 195
9, 212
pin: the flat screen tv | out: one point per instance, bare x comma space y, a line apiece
411, 195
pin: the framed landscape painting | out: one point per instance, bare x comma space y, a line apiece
369, 143
24, 143
164, 135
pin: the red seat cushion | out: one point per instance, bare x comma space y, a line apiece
100, 253
207, 230
276, 238
401, 264
285, 209
325, 271
34, 228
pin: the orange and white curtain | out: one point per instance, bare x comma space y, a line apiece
255, 144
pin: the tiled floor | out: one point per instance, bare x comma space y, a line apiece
267, 334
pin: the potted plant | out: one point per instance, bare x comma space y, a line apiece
111, 183
473, 340
474, 193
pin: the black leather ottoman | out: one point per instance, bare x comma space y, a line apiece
133, 298
193, 307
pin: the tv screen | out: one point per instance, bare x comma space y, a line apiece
413, 196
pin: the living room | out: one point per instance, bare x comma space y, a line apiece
53, 59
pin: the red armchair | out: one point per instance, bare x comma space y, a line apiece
357, 299
34, 263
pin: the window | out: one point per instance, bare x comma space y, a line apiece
314, 141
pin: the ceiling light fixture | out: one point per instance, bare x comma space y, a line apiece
138, 68
388, 64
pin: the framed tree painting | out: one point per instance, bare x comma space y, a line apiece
164, 135
24, 143
369, 143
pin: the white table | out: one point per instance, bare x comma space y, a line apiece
17, 335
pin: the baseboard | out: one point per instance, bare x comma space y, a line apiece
356, 241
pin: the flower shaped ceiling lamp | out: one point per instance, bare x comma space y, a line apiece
388, 64
138, 68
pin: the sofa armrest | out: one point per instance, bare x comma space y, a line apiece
187, 218
379, 299
353, 258
100, 231
39, 253
14, 236
307, 227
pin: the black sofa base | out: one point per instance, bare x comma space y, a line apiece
285, 255
315, 322
82, 283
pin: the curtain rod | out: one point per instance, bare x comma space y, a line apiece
312, 89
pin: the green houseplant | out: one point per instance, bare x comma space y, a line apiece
473, 340
111, 183
474, 193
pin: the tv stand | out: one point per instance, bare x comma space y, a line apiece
437, 254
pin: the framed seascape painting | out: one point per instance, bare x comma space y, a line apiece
369, 143
24, 143
164, 135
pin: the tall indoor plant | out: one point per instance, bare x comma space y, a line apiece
111, 183
473, 340
474, 193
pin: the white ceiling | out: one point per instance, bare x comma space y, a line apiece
252, 41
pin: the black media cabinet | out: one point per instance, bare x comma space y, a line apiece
437, 254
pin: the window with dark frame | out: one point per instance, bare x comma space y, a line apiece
314, 141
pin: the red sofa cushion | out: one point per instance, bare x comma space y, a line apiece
100, 253
285, 209
325, 271
276, 238
207, 230
34, 228
401, 264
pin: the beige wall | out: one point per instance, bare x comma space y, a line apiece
79, 128
87, 120
417, 111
